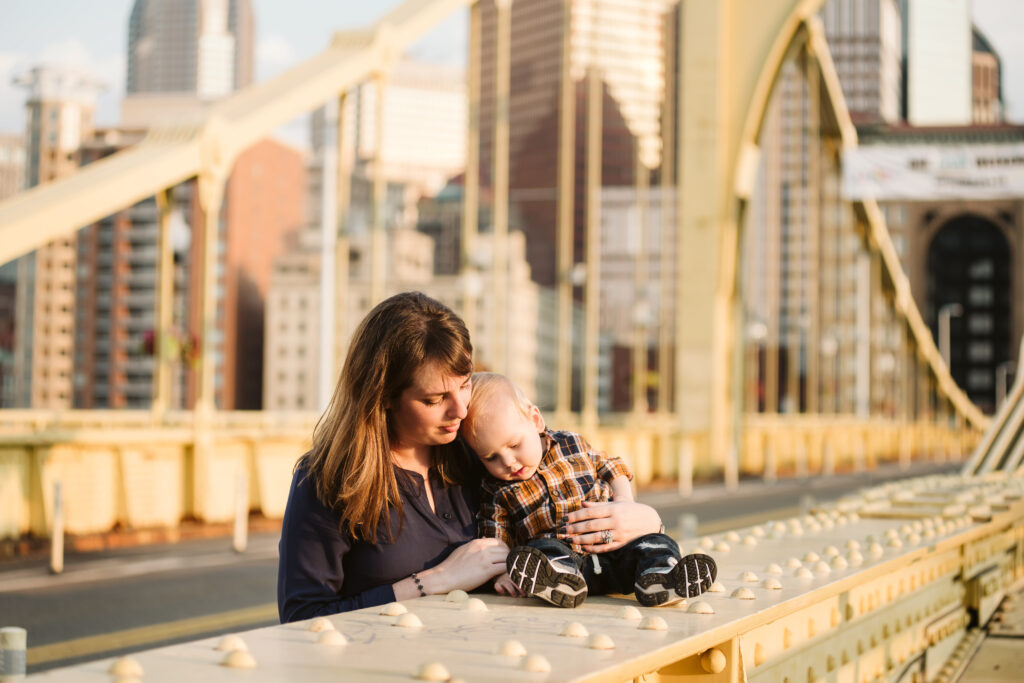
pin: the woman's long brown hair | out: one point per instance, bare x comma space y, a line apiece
351, 464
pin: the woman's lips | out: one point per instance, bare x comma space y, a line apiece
451, 429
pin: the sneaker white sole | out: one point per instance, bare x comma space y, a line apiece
690, 577
534, 574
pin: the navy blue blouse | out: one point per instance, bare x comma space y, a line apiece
323, 570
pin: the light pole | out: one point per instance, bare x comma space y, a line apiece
945, 313
1002, 370
886, 368
756, 333
829, 348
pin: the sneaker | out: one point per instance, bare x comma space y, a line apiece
555, 579
685, 578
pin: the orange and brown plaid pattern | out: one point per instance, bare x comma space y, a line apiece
569, 473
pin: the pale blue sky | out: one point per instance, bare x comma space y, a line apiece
92, 34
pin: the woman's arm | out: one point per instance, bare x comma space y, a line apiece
310, 572
469, 566
308, 582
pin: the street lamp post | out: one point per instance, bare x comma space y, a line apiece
756, 334
1002, 370
829, 348
945, 313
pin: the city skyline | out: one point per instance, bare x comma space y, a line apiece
94, 37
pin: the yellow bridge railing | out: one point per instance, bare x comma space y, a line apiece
135, 469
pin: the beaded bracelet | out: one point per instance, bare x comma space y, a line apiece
419, 586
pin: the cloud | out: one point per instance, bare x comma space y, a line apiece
273, 55
69, 53
74, 54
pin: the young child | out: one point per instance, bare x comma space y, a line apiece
537, 477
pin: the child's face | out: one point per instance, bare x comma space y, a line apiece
507, 442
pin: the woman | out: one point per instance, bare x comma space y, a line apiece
382, 508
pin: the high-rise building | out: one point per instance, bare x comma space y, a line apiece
632, 244
199, 47
937, 46
115, 296
811, 312
12, 164
291, 365
117, 284
521, 318
986, 83
292, 341
865, 38
414, 167
624, 41
440, 217
265, 200
59, 114
12, 181
799, 280
417, 97
8, 284
180, 54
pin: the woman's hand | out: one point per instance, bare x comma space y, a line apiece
470, 565
626, 521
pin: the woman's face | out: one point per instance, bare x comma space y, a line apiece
430, 410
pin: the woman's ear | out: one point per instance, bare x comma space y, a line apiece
536, 418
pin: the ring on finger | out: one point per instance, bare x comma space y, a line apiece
606, 536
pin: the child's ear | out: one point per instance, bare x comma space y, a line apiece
536, 418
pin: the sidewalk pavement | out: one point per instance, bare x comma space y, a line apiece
34, 573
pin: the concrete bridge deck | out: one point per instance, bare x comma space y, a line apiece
898, 577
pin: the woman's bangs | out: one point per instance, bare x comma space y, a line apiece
451, 353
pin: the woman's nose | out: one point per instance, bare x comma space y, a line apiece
457, 406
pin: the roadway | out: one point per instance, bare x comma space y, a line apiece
114, 602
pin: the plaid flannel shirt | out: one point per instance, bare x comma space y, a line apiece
570, 472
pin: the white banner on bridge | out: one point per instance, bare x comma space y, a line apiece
929, 172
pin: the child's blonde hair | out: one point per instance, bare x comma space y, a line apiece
488, 386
